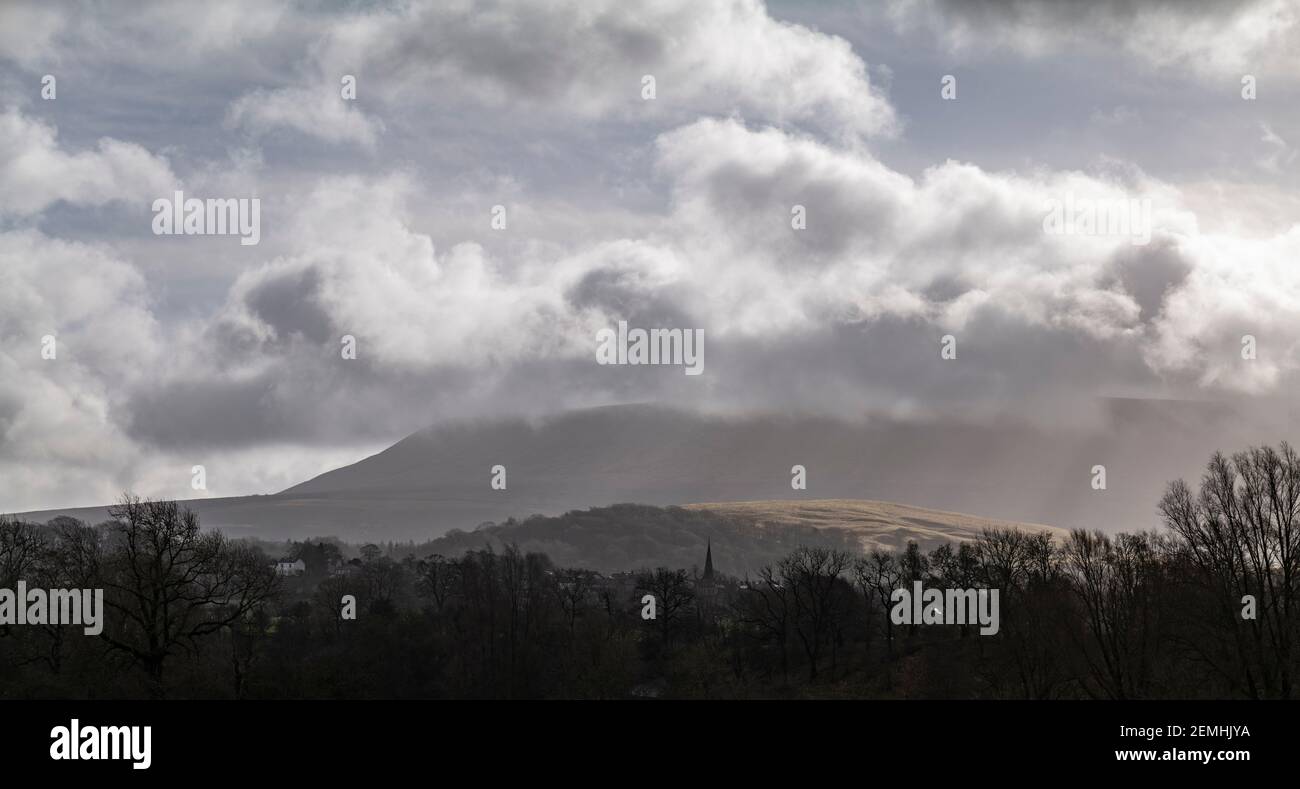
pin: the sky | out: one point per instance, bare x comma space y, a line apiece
924, 205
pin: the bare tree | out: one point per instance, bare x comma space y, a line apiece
955, 569
913, 566
573, 589
672, 592
1240, 535
170, 584
1025, 568
21, 547
1116, 582
768, 606
24, 556
437, 579
880, 574
813, 575
70, 560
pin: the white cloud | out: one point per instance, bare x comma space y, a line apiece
587, 59
319, 112
35, 172
1212, 39
361, 270
952, 250
877, 240
1236, 287
878, 244
58, 416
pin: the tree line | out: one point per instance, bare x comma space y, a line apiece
1206, 607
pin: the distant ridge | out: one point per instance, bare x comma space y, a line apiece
438, 479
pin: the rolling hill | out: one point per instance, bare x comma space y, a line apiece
872, 524
744, 535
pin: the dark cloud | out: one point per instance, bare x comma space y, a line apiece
1148, 273
288, 303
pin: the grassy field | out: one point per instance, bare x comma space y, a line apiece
876, 524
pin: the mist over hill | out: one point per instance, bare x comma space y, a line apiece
439, 478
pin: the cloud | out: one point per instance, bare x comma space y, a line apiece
39, 35
961, 247
878, 242
587, 60
1235, 287
857, 301
36, 173
179, 352
358, 268
1211, 38
58, 417
319, 113
27, 30
130, 404
1281, 156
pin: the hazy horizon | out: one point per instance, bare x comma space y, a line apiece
437, 479
851, 208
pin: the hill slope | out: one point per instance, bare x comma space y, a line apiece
744, 535
438, 479
873, 524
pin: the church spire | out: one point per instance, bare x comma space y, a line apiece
708, 562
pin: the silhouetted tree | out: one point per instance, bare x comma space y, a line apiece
672, 593
169, 583
813, 575
880, 573
1239, 535
1117, 582
768, 607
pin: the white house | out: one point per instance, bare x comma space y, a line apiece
286, 567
